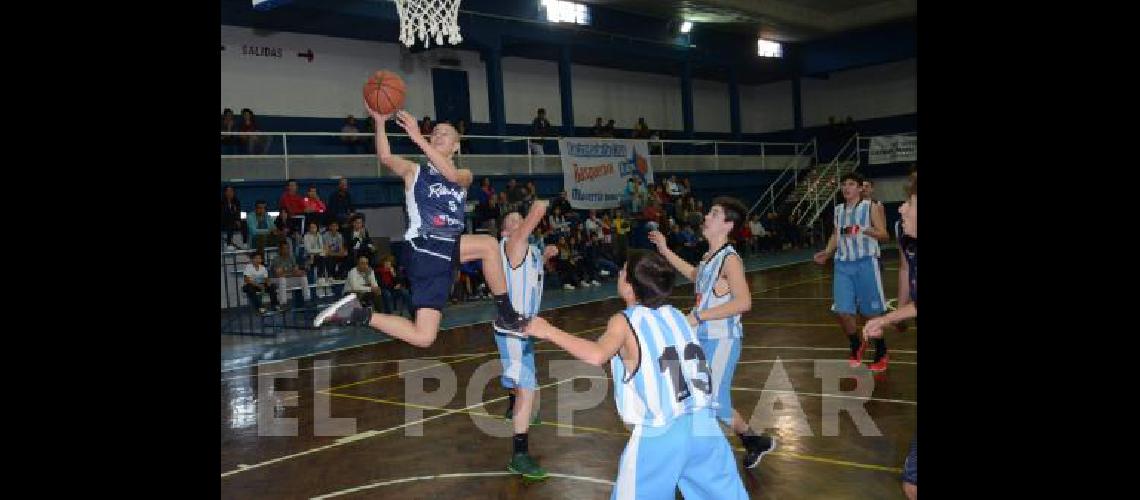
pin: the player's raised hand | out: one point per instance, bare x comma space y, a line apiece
658, 239
550, 252
408, 122
377, 118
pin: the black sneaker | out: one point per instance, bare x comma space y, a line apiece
756, 447
511, 325
346, 311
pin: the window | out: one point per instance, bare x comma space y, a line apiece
562, 11
765, 48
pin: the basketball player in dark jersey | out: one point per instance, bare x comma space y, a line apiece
435, 196
908, 288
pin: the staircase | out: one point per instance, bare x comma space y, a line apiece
789, 180
818, 191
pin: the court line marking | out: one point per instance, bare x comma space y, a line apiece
626, 434
370, 433
588, 301
451, 475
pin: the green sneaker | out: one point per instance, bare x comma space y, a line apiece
522, 464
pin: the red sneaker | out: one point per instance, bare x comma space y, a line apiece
857, 360
881, 364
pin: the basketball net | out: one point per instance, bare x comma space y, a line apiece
427, 19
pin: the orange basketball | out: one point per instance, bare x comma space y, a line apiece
384, 92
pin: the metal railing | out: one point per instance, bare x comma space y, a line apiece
283, 155
822, 189
787, 178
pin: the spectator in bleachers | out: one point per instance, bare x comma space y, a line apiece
696, 216
568, 272
393, 288
686, 190
315, 260
229, 124
426, 126
362, 281
557, 222
563, 202
759, 234
673, 188
262, 231
355, 143
592, 225
257, 282
336, 251
690, 243
231, 215
314, 208
340, 204
622, 227
254, 144
653, 213
606, 229
291, 199
629, 196
516, 193
359, 241
581, 246
532, 191
599, 129
641, 130
539, 127
288, 274
486, 192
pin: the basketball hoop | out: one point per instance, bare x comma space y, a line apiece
427, 19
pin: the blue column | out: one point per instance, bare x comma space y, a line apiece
797, 107
493, 57
564, 89
687, 98
734, 101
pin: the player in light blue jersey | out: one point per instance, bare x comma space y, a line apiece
722, 295
857, 286
523, 268
662, 387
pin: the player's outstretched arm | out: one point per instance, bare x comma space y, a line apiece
686, 269
594, 353
399, 166
517, 244
874, 326
442, 161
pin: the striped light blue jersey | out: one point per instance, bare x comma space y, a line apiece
524, 283
672, 377
853, 244
708, 274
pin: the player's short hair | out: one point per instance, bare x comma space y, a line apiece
851, 176
651, 277
912, 188
734, 210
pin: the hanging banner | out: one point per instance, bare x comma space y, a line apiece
892, 149
595, 171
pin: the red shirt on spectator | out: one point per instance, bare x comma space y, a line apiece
316, 205
385, 276
651, 213
294, 203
